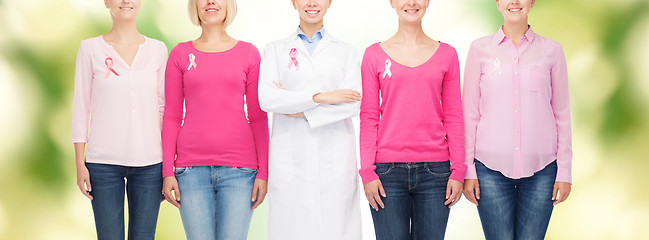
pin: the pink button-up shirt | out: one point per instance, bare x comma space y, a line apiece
517, 106
123, 104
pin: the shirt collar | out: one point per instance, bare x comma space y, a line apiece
500, 36
318, 35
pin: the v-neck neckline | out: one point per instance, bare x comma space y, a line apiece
120, 58
409, 67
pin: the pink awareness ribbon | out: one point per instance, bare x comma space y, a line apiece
192, 61
293, 55
497, 67
388, 65
109, 64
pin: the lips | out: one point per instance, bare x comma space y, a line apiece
312, 12
212, 10
515, 9
411, 11
126, 8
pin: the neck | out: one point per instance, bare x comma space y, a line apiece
410, 33
124, 31
310, 29
212, 33
515, 31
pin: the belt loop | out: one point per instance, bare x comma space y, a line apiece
391, 165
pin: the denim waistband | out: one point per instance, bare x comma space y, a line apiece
412, 164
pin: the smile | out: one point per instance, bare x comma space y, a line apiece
312, 12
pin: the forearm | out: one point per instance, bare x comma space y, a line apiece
273, 99
325, 114
367, 143
259, 128
79, 154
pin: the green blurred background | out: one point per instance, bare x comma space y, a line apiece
606, 44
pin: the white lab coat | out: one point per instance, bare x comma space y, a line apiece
313, 180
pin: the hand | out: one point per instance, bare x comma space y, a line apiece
563, 190
170, 184
372, 190
83, 181
453, 192
472, 190
337, 96
261, 188
296, 115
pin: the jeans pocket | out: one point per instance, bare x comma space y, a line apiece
245, 170
382, 169
439, 169
179, 171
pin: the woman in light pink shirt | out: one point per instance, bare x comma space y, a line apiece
517, 127
411, 137
117, 112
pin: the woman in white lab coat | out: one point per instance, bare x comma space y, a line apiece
311, 82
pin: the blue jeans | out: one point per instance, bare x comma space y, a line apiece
515, 208
215, 201
143, 190
414, 206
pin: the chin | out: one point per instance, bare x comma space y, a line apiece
410, 19
213, 21
312, 20
128, 17
514, 20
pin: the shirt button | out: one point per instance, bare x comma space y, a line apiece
515, 91
515, 73
516, 148
516, 130
515, 58
515, 110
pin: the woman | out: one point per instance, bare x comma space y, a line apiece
119, 82
411, 125
218, 159
517, 125
311, 82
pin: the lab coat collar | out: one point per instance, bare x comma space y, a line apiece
327, 39
326, 36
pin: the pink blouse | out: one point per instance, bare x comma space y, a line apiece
118, 108
517, 106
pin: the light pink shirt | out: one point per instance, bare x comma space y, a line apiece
517, 106
125, 111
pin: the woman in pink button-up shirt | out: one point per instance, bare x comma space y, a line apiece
517, 127
117, 112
